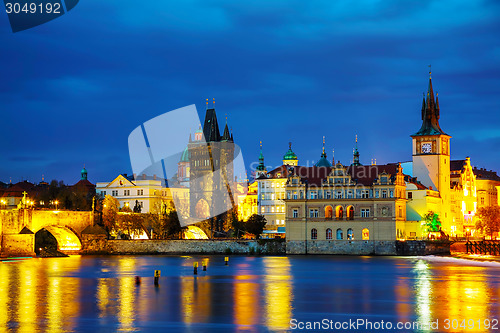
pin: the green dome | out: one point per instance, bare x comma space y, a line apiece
290, 155
185, 155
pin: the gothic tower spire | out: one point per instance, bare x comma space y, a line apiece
430, 113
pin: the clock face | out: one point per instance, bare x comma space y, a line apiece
426, 148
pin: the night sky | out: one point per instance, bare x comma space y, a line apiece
73, 89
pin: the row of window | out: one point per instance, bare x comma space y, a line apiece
272, 196
115, 193
365, 234
271, 209
271, 184
339, 194
339, 212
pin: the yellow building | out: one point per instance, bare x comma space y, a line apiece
345, 203
247, 201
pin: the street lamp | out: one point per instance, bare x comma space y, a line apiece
3, 203
56, 202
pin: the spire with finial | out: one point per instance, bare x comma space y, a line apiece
355, 154
261, 168
290, 158
83, 173
430, 112
323, 162
333, 156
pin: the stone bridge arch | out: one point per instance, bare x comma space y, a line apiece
68, 240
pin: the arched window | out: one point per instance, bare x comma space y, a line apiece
350, 213
328, 212
339, 212
340, 234
328, 233
365, 233
314, 233
350, 235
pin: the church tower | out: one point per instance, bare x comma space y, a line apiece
431, 154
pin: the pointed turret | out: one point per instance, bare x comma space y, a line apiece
430, 113
355, 155
226, 136
211, 125
323, 162
261, 168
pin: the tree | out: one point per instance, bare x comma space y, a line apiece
488, 220
130, 223
171, 224
110, 209
237, 227
432, 222
255, 225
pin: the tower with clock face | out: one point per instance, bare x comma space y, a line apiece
431, 149
431, 152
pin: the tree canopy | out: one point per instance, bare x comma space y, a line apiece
255, 225
488, 220
432, 222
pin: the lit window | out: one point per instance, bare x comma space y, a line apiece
365, 234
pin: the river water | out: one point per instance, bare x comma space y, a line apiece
251, 294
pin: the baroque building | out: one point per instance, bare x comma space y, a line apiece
345, 203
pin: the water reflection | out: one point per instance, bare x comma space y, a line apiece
278, 293
251, 294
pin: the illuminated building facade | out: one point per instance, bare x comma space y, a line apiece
149, 193
247, 201
271, 192
431, 156
345, 203
453, 189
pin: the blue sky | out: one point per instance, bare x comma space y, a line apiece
72, 90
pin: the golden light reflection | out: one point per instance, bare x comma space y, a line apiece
423, 292
4, 295
465, 298
278, 293
27, 314
246, 300
195, 300
126, 313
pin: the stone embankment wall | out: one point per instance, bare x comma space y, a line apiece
361, 247
93, 245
